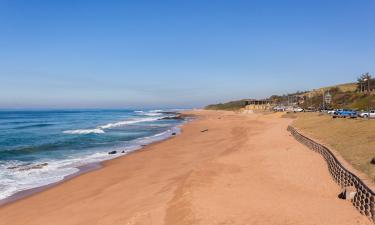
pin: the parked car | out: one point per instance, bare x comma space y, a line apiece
331, 112
310, 109
297, 109
370, 114
343, 113
279, 108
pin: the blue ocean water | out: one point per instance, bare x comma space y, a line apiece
42, 147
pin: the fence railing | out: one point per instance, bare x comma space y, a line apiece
364, 199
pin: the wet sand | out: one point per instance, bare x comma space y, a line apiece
245, 169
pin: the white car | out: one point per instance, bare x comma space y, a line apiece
331, 112
297, 109
279, 108
370, 114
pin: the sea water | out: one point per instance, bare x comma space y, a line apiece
40, 147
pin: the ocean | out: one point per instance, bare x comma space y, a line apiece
40, 147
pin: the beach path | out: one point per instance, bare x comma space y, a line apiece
224, 169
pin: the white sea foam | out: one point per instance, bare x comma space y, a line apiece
156, 110
100, 129
127, 122
85, 131
17, 176
15, 180
150, 113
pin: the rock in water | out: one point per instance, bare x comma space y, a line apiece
112, 152
37, 166
173, 134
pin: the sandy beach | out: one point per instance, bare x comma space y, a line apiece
243, 169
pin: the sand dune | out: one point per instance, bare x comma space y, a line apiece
245, 169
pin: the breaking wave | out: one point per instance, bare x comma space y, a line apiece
100, 129
85, 131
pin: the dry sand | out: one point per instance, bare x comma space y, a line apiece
246, 169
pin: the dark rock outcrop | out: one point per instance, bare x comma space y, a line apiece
177, 117
37, 166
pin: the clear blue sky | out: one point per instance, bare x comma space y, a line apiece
177, 53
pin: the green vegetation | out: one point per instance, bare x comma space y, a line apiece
357, 95
233, 105
340, 99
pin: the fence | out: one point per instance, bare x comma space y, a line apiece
364, 199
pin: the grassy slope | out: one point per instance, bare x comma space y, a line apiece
233, 105
342, 87
353, 139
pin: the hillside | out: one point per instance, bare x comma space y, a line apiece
348, 87
343, 96
232, 105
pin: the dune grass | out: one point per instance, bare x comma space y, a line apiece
354, 139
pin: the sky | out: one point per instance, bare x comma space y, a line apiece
177, 54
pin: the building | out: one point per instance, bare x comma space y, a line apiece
254, 104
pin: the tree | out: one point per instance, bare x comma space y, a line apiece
365, 82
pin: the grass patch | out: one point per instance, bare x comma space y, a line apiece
354, 139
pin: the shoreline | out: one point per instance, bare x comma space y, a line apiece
83, 169
223, 168
32, 191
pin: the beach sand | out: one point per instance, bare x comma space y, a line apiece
245, 169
